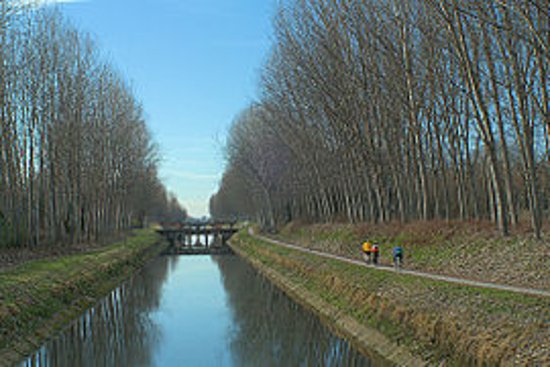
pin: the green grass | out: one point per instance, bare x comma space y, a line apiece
406, 307
460, 249
34, 292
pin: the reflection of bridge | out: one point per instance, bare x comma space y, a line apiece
196, 238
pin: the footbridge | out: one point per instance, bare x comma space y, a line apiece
198, 237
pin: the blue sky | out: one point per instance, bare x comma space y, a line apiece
194, 64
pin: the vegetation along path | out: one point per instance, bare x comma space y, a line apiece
531, 291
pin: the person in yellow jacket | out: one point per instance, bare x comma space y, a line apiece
367, 249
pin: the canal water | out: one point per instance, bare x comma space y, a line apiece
197, 311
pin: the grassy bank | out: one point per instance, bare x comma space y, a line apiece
470, 250
41, 296
434, 321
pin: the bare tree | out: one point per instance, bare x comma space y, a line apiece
384, 110
76, 159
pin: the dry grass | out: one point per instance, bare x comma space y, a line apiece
472, 250
41, 296
12, 257
440, 321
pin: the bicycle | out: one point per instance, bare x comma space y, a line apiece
397, 262
366, 257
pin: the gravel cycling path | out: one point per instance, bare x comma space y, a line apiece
474, 283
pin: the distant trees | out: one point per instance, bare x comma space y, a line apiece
76, 159
397, 110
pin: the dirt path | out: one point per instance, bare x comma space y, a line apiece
530, 291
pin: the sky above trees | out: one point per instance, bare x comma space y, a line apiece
381, 110
194, 64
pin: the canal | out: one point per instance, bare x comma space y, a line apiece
197, 311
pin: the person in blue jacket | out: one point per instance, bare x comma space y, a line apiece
398, 256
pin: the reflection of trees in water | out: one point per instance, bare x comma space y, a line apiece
272, 330
117, 331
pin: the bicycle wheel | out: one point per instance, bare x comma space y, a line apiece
397, 262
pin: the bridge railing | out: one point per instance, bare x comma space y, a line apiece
197, 234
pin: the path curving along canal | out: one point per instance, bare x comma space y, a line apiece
443, 278
197, 311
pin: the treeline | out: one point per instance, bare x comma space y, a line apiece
76, 159
397, 110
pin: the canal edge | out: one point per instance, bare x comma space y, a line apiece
123, 269
369, 341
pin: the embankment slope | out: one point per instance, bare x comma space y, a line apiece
430, 321
39, 297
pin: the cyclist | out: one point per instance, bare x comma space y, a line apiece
375, 250
367, 247
397, 256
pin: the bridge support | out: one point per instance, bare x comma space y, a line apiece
208, 238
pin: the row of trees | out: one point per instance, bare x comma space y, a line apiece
76, 159
397, 110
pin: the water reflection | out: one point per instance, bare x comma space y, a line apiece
117, 331
196, 311
271, 330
